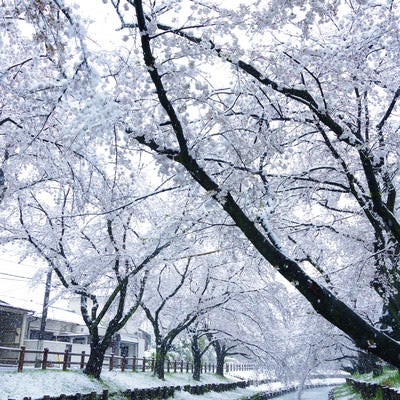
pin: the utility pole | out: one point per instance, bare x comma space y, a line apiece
44, 316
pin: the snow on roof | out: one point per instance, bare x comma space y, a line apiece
63, 314
54, 312
20, 303
15, 306
129, 338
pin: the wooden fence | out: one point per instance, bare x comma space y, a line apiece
66, 360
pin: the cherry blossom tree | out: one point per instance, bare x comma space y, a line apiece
280, 118
101, 254
230, 329
241, 330
185, 291
64, 194
300, 133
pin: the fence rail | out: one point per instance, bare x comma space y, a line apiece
66, 360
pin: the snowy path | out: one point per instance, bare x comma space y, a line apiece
309, 394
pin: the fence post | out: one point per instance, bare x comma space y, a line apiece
134, 364
152, 364
187, 367
65, 361
21, 359
174, 365
111, 363
82, 360
45, 357
181, 366
168, 365
123, 363
144, 365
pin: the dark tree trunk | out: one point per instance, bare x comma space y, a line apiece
389, 321
386, 283
220, 353
161, 354
196, 353
196, 367
367, 363
220, 365
98, 348
95, 362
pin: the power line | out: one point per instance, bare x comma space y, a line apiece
25, 280
15, 276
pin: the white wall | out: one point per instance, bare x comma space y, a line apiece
56, 359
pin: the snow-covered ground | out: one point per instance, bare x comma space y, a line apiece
37, 383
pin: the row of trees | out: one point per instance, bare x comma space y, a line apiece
185, 161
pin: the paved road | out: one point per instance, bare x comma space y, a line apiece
310, 394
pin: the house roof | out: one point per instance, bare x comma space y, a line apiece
6, 306
54, 312
63, 314
129, 338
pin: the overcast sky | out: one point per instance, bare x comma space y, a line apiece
18, 284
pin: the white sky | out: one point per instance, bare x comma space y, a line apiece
18, 284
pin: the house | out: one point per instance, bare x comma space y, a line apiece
13, 323
65, 330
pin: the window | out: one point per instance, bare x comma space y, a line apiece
79, 340
34, 334
124, 349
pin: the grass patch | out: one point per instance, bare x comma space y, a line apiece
346, 392
390, 378
379, 395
